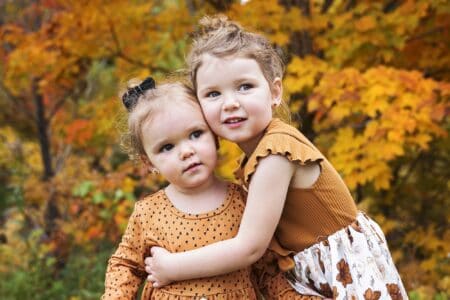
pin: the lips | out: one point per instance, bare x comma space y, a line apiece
191, 166
233, 120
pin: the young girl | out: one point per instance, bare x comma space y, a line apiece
326, 247
169, 134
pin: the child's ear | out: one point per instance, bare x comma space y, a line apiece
277, 91
148, 165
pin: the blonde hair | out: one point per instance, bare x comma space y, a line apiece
149, 103
221, 37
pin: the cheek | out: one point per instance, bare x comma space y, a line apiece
212, 117
209, 148
212, 156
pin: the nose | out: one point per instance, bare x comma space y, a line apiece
186, 151
231, 103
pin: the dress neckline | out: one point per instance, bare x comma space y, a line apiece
218, 210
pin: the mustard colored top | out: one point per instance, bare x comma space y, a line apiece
310, 214
156, 222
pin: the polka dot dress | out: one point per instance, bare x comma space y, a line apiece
156, 222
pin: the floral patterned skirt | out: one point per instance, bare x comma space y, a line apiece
353, 263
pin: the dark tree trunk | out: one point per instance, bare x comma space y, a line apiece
221, 5
306, 119
301, 44
301, 41
43, 134
326, 5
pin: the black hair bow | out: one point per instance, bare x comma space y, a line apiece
132, 95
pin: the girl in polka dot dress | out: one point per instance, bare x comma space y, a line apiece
169, 134
298, 206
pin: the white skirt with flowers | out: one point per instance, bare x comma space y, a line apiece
353, 263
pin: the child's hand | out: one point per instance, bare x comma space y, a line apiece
154, 267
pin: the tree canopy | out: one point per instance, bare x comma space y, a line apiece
367, 81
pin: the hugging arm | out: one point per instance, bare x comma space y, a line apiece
265, 202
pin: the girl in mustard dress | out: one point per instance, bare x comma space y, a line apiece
297, 206
169, 134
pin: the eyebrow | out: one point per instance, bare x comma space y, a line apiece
207, 89
197, 126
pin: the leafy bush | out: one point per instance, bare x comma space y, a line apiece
82, 277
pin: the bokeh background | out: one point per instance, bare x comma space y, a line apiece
367, 81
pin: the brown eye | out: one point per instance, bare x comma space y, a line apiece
213, 94
245, 87
196, 134
166, 148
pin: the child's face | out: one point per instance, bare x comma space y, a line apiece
179, 143
236, 98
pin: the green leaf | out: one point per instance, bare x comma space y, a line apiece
130, 196
98, 198
119, 194
83, 189
105, 214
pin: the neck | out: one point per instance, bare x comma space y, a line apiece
249, 146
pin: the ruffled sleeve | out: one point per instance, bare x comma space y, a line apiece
285, 140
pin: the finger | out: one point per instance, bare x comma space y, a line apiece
148, 260
153, 281
148, 269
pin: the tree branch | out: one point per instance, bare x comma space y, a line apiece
56, 107
119, 52
426, 33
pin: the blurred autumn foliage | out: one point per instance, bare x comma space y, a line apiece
368, 81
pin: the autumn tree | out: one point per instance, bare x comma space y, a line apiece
367, 81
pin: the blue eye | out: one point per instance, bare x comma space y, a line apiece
196, 134
213, 94
245, 87
166, 148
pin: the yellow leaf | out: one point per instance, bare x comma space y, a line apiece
395, 135
382, 182
371, 129
422, 140
339, 112
128, 185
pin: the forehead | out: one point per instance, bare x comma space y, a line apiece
214, 67
230, 60
170, 112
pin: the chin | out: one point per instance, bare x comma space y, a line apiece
238, 139
200, 181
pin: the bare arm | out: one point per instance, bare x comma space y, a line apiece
265, 202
